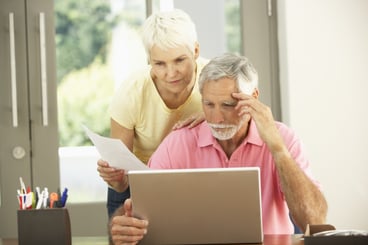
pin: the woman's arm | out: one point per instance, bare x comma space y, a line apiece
116, 178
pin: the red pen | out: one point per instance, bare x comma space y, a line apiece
20, 200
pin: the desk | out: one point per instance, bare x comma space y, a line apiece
268, 240
75, 241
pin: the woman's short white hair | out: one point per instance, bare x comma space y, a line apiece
169, 29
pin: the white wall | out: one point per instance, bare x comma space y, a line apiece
211, 38
324, 82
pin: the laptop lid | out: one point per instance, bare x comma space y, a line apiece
198, 206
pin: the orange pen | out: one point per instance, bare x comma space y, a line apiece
54, 197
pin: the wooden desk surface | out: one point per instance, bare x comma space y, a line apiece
75, 241
283, 240
268, 240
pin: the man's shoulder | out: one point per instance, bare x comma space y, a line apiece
283, 127
287, 132
186, 133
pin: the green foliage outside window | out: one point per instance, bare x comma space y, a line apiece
83, 32
82, 29
84, 97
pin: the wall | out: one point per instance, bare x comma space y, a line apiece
324, 81
211, 38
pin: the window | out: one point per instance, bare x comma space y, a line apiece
97, 48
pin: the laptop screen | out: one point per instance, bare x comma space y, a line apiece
198, 206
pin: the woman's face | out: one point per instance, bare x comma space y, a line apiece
174, 68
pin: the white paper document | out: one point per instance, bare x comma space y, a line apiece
115, 152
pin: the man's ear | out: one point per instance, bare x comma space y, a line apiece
255, 93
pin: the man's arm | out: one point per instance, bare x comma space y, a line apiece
306, 202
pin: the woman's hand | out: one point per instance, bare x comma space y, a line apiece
115, 178
191, 121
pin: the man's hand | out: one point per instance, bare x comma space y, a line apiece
115, 178
262, 116
124, 228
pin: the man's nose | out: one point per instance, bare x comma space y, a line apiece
217, 116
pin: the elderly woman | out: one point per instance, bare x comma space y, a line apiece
162, 96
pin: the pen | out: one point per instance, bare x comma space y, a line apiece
20, 199
28, 201
64, 196
54, 197
33, 200
38, 194
45, 197
40, 200
22, 186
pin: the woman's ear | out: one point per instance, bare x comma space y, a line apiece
196, 50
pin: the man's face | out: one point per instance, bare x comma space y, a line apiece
219, 108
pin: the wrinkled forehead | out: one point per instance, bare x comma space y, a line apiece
225, 85
221, 88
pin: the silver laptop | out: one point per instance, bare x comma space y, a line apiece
198, 206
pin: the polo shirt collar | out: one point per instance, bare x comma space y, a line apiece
253, 135
205, 137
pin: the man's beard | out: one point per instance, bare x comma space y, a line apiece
227, 131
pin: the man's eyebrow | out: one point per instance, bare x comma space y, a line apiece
230, 102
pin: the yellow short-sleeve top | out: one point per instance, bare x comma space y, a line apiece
137, 105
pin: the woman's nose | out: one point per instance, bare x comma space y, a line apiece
171, 70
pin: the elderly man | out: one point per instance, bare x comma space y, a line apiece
238, 131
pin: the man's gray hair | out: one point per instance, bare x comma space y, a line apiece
232, 66
169, 29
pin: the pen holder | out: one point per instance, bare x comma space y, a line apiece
44, 226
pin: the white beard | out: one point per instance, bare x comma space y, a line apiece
227, 130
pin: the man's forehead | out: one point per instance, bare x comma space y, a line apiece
219, 96
221, 86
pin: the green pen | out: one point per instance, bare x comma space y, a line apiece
33, 200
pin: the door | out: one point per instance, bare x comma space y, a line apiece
28, 123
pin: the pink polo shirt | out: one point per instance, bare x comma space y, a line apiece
197, 148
